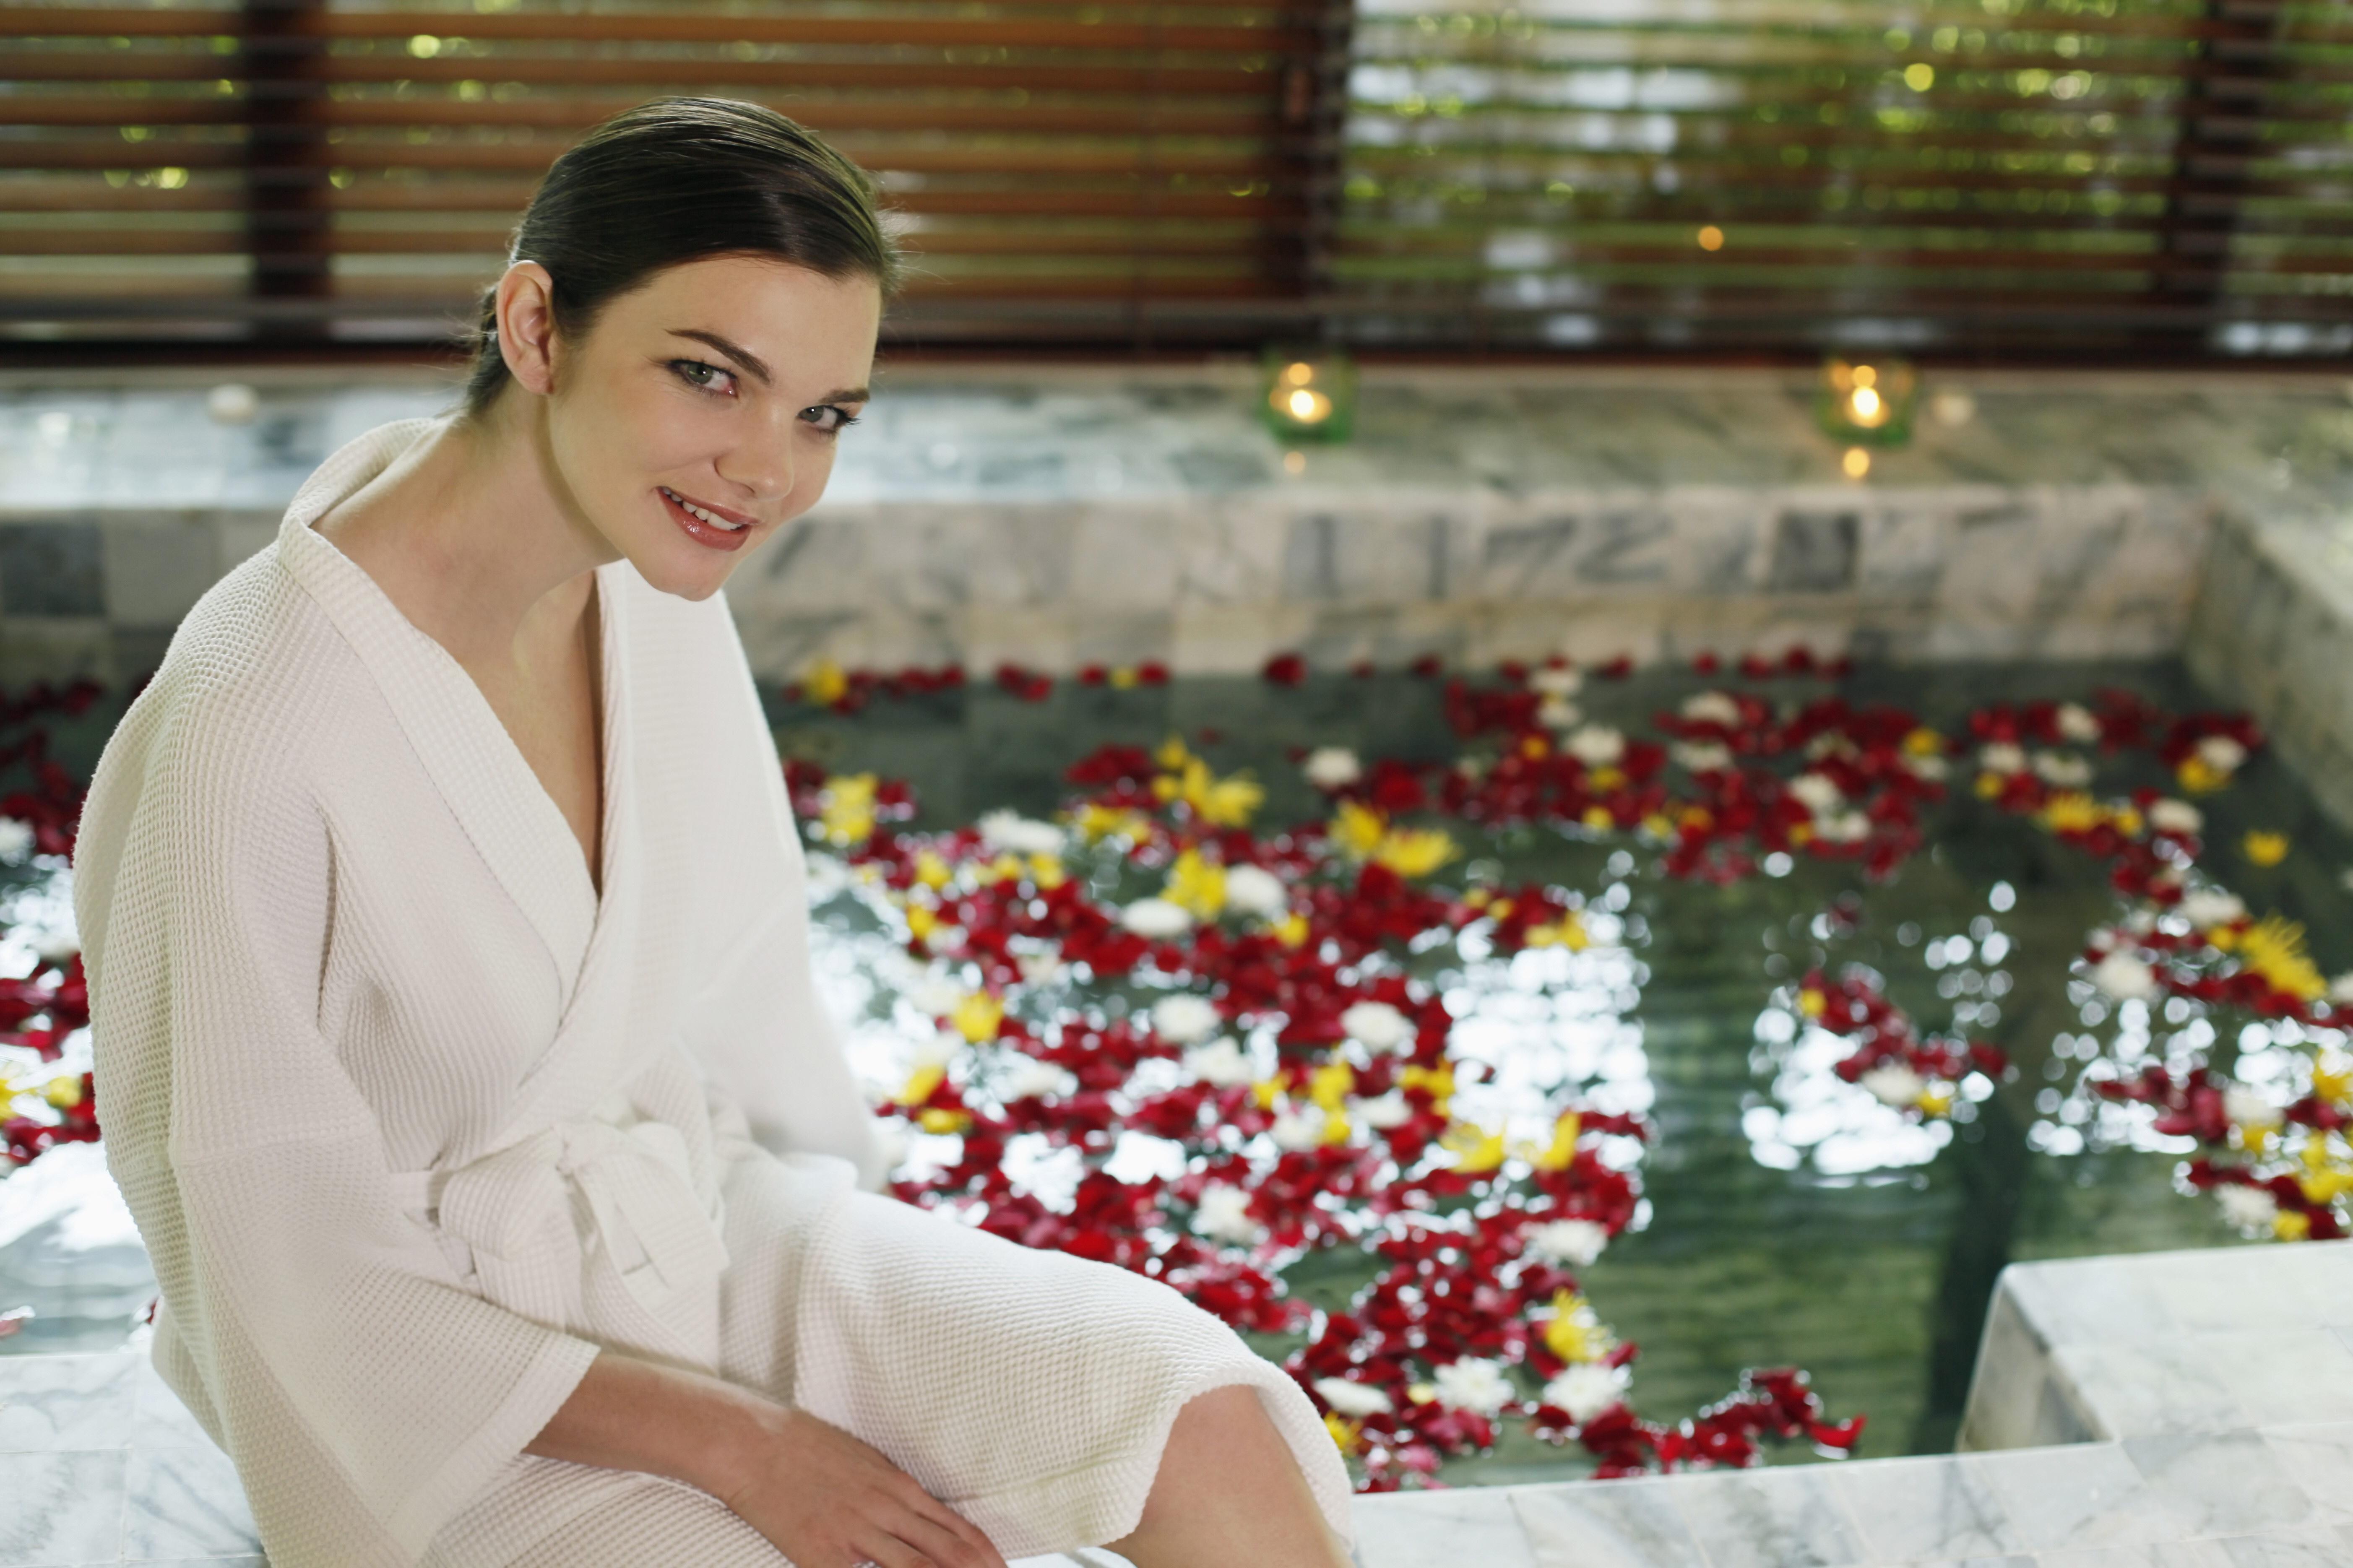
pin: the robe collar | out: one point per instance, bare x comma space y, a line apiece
504, 811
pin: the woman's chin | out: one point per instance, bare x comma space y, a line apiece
683, 583
680, 568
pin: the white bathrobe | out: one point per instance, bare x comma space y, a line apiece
414, 1120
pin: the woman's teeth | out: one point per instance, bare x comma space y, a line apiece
714, 519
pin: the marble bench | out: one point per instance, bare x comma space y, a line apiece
2173, 1410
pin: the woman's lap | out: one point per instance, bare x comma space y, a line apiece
1033, 1391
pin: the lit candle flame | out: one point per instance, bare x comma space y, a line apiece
1305, 406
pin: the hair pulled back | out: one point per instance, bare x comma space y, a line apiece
678, 180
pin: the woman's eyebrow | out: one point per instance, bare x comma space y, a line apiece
736, 352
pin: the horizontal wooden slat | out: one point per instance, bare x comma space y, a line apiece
1068, 33
703, 74
575, 118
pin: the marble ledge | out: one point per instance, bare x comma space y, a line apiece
2166, 1345
1036, 433
2227, 1500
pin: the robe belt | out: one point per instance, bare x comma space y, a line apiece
583, 1195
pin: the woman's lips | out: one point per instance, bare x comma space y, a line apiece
716, 535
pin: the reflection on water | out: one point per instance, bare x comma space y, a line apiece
73, 1275
1792, 1216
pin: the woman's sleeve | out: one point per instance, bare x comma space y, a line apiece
365, 1397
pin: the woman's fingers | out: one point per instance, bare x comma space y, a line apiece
944, 1546
973, 1549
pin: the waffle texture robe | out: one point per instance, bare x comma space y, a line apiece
414, 1120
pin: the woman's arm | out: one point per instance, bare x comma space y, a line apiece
824, 1499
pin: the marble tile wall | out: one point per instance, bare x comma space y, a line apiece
2272, 631
1061, 518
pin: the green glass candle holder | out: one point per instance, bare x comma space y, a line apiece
1867, 403
1308, 395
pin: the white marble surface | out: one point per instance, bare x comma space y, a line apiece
1060, 518
2167, 1344
103, 1466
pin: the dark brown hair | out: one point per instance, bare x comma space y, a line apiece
677, 180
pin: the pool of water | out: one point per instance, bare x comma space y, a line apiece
1788, 1219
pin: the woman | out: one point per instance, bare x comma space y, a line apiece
449, 972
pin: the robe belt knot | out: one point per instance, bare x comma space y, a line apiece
549, 1220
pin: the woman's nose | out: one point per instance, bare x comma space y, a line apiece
761, 467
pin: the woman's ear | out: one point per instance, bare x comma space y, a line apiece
526, 315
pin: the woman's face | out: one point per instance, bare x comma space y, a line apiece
699, 413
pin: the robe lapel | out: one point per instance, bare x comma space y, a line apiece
498, 802
600, 1034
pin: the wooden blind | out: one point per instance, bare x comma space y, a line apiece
2129, 178
2121, 178
1104, 170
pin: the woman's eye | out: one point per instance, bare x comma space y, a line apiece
708, 377
828, 418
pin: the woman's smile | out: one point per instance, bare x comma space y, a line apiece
714, 526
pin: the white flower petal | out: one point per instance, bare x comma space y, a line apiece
1586, 1390
1894, 1084
2249, 1208
1595, 745
1014, 833
2125, 977
1472, 1384
1377, 1025
1332, 767
1223, 1214
1220, 1064
2001, 757
2207, 907
1570, 1243
2078, 723
1157, 918
1183, 1018
1352, 1400
1255, 891
1816, 792
1712, 707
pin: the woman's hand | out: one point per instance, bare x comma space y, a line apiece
828, 1500
821, 1496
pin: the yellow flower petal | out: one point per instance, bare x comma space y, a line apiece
1196, 885
1562, 1150
977, 1017
2274, 948
920, 1083
1475, 1150
1328, 1085
825, 684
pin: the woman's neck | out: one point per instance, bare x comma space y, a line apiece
473, 536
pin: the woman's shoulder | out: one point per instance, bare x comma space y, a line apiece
255, 677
